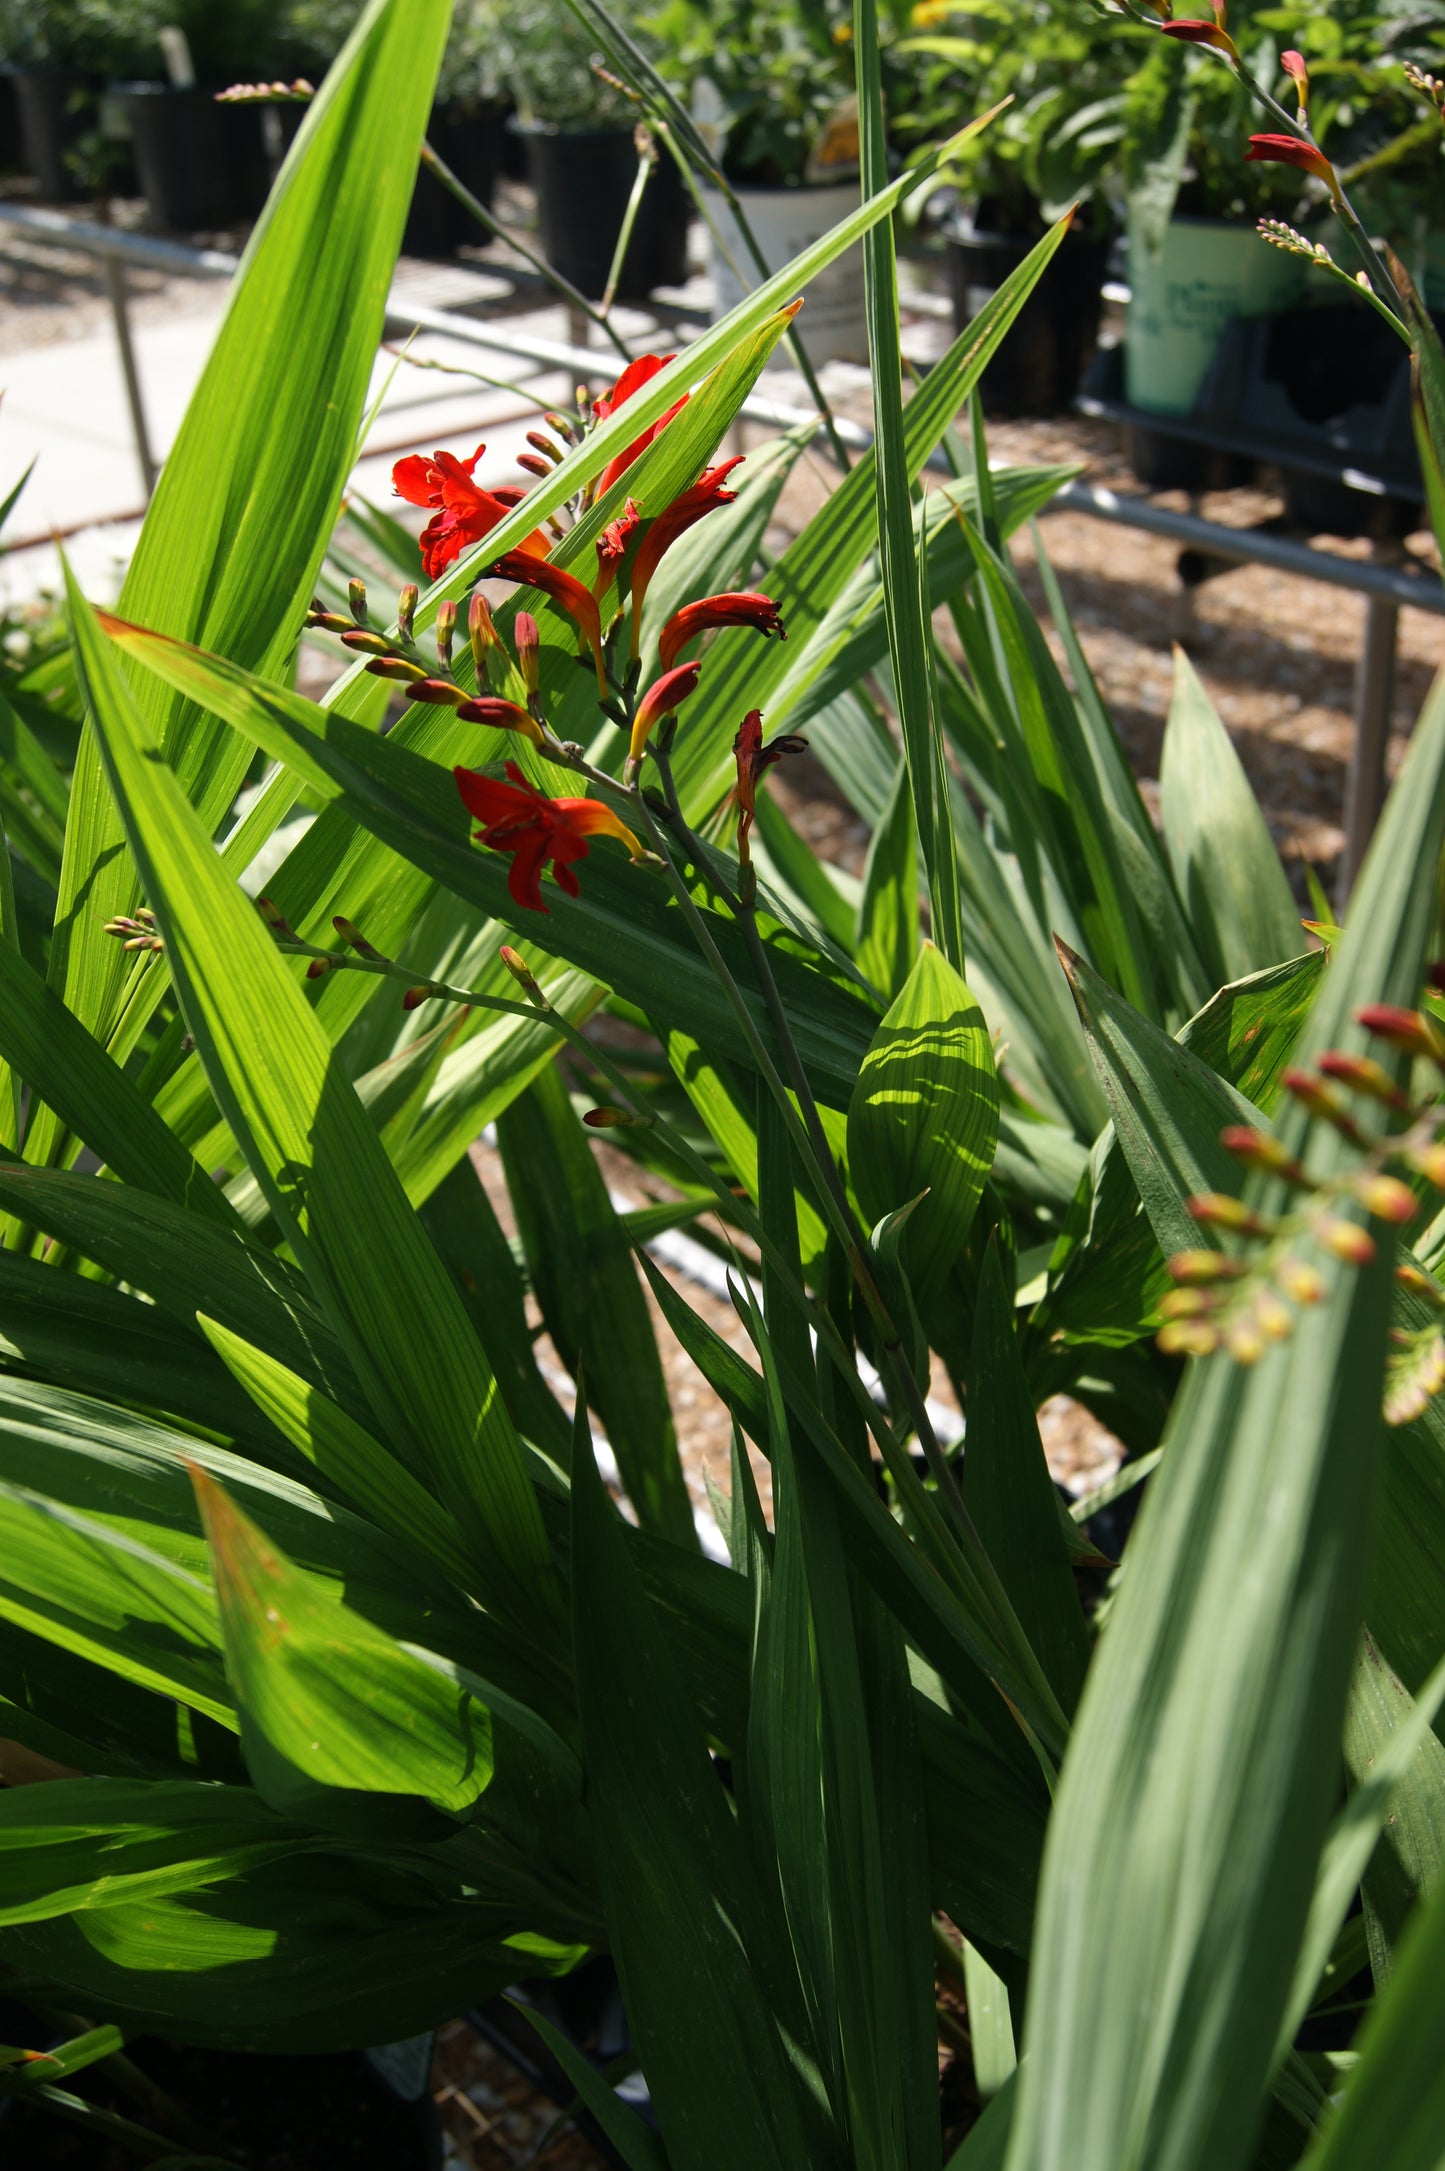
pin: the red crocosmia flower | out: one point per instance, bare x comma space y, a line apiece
741, 607
612, 546
1197, 33
660, 699
753, 758
535, 829
706, 494
633, 378
567, 592
501, 715
465, 512
1289, 151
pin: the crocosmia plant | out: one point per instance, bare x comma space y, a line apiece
373, 1648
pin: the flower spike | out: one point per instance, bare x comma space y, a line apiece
740, 607
534, 830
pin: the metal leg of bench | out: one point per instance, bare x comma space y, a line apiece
1374, 698
115, 281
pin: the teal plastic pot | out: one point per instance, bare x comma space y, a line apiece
1181, 299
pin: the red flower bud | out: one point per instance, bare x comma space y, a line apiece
740, 607
1200, 33
1290, 151
439, 691
501, 715
1256, 1149
529, 644
660, 699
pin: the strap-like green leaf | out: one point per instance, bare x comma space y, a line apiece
1192, 1809
317, 1158
249, 493
924, 1115
92, 1842
326, 1690
1225, 866
673, 1873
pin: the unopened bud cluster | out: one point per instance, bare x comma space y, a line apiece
1241, 1300
397, 656
137, 931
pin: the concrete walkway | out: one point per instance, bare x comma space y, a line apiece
64, 406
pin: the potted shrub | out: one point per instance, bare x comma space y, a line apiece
60, 54
1195, 260
1052, 147
579, 134
771, 90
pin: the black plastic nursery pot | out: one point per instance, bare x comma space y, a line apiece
10, 154
1050, 344
200, 165
467, 135
57, 107
326, 2113
582, 178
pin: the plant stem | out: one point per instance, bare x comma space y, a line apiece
438, 165
1344, 210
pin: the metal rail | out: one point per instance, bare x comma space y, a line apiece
1386, 588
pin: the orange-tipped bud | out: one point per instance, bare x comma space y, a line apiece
351, 934
323, 621
501, 715
356, 597
1272, 1318
446, 629
439, 691
318, 968
366, 644
1430, 1161
397, 667
529, 650
1188, 1303
1362, 1074
1256, 1149
523, 974
415, 997
275, 919
1346, 1240
662, 697
481, 632
1217, 1210
1188, 1338
543, 444
1419, 1285
1407, 1029
1386, 1198
1244, 1341
1197, 1269
406, 604
608, 1119
1290, 151
1312, 1093
1301, 1281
